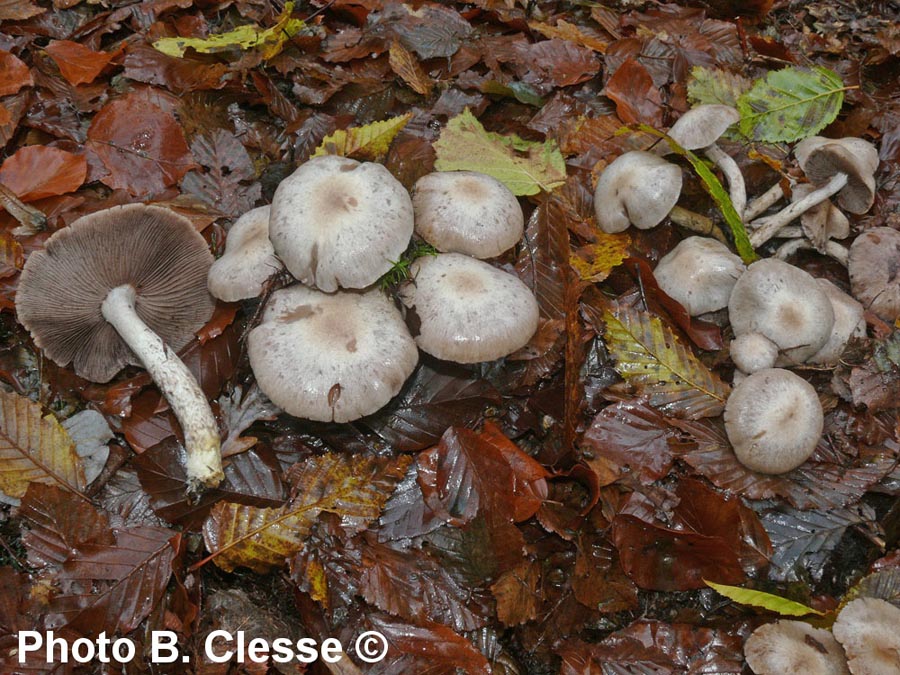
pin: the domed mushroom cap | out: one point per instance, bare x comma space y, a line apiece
699, 273
638, 188
467, 212
869, 630
336, 222
849, 321
752, 352
330, 357
63, 286
249, 259
857, 158
794, 648
774, 421
785, 304
702, 126
874, 269
468, 310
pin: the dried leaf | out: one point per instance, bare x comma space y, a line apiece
77, 63
716, 86
517, 594
525, 167
14, 74
408, 69
370, 142
38, 171
580, 35
772, 603
18, 10
595, 261
11, 256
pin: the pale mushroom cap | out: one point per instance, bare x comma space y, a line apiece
869, 630
249, 259
794, 648
699, 273
638, 188
467, 212
468, 310
785, 304
825, 160
336, 222
773, 420
752, 352
861, 148
331, 357
702, 126
874, 268
849, 321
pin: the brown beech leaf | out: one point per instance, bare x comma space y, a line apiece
637, 98
406, 515
585, 36
141, 145
408, 69
432, 31
18, 10
77, 63
228, 165
558, 62
14, 74
517, 594
143, 63
599, 581
38, 171
528, 477
11, 256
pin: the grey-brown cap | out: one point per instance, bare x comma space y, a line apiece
328, 357
874, 267
638, 189
794, 648
821, 161
63, 286
869, 630
336, 222
849, 321
699, 273
702, 126
469, 311
467, 212
249, 259
752, 352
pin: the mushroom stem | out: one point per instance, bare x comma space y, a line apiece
736, 188
175, 381
765, 228
832, 250
760, 204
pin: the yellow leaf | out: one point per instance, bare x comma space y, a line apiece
773, 603
595, 261
269, 40
34, 448
11, 256
369, 142
405, 65
586, 37
525, 167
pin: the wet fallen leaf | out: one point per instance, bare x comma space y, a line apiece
77, 63
14, 74
36, 171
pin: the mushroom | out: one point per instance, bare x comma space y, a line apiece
330, 357
699, 129
249, 259
336, 222
127, 286
794, 648
468, 311
874, 267
752, 352
467, 212
868, 630
699, 273
849, 321
773, 420
783, 303
637, 188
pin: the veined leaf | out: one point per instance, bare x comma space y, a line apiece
791, 104
11, 256
34, 448
649, 355
716, 86
525, 167
369, 142
773, 603
269, 40
595, 261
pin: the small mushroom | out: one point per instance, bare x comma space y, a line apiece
869, 630
336, 222
468, 311
774, 421
127, 286
637, 188
783, 303
874, 268
794, 648
330, 357
467, 212
849, 321
699, 273
249, 259
753, 352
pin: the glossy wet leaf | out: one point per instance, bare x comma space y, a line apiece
37, 171
77, 63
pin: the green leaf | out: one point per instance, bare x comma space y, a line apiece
773, 603
790, 104
716, 86
250, 36
525, 167
368, 142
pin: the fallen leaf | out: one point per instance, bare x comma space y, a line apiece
11, 256
369, 142
19, 10
595, 261
14, 74
408, 69
716, 86
517, 594
637, 98
38, 171
77, 63
580, 35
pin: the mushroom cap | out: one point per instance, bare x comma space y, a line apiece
702, 126
249, 259
874, 268
785, 304
752, 352
822, 160
865, 151
467, 212
849, 321
63, 286
637, 188
328, 357
774, 421
821, 222
469, 311
794, 647
868, 630
336, 222
699, 273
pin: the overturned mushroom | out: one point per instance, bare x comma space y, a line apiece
874, 268
699, 273
127, 286
794, 648
638, 188
249, 259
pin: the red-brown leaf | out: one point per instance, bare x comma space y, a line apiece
77, 63
38, 171
637, 99
14, 74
